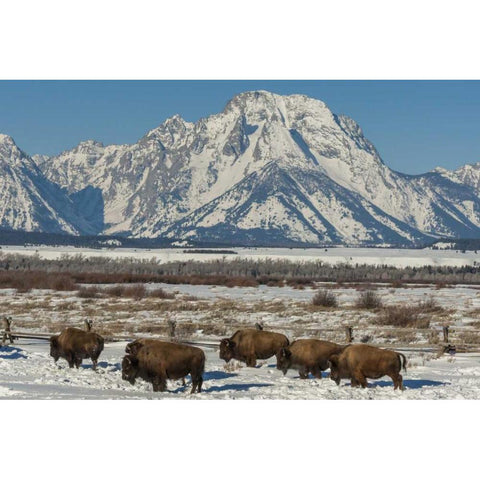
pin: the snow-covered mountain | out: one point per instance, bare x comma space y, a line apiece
31, 202
269, 169
467, 174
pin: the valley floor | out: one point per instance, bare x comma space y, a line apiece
368, 256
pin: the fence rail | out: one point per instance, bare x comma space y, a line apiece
448, 344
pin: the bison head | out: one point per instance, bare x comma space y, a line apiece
333, 363
284, 359
133, 347
129, 368
227, 349
54, 347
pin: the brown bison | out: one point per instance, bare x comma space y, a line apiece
359, 362
157, 361
74, 345
249, 345
132, 348
307, 356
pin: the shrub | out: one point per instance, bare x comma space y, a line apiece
63, 283
135, 291
88, 292
433, 337
429, 305
160, 293
325, 298
368, 299
402, 316
469, 337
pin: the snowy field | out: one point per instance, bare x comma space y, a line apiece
212, 312
28, 372
369, 256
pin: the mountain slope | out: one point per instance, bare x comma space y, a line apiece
269, 169
31, 202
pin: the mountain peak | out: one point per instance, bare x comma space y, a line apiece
9, 149
90, 143
7, 140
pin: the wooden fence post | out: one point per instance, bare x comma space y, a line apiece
445, 334
88, 325
7, 321
349, 334
172, 324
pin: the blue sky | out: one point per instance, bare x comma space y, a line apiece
415, 125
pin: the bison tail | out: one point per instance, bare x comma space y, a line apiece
400, 357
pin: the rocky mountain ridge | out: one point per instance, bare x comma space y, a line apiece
268, 169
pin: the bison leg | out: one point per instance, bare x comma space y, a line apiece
251, 361
397, 381
359, 378
196, 384
78, 362
94, 362
159, 384
70, 359
317, 372
303, 372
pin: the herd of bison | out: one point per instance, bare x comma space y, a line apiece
156, 361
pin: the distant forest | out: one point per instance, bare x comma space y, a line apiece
15, 237
20, 238
236, 271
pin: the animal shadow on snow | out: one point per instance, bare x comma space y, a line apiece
214, 375
218, 375
116, 366
411, 384
11, 353
237, 387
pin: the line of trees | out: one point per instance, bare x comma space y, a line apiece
260, 271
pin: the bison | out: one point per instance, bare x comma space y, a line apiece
132, 348
249, 345
359, 362
307, 356
157, 361
74, 345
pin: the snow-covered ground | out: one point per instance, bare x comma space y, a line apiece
28, 372
369, 256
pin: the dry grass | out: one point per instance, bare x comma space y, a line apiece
402, 316
430, 305
137, 292
325, 298
433, 337
474, 313
405, 336
232, 366
88, 292
25, 281
161, 293
470, 338
368, 299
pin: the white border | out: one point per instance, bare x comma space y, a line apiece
239, 40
